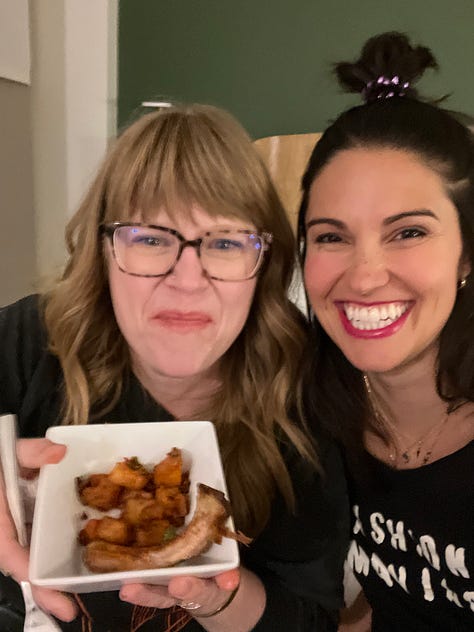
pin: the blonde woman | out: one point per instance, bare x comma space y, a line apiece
173, 305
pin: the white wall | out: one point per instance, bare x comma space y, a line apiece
74, 70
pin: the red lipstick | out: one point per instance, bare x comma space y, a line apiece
382, 332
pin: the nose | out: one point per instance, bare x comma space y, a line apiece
368, 270
188, 273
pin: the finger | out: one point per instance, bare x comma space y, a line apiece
33, 453
14, 559
147, 595
55, 603
228, 580
194, 589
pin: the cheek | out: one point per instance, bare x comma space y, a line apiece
237, 308
320, 273
427, 272
128, 297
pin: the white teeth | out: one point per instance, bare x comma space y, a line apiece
368, 318
363, 313
374, 315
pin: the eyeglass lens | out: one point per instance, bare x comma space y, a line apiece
225, 254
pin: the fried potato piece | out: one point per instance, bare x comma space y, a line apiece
115, 530
139, 510
98, 491
174, 505
169, 472
130, 474
152, 533
185, 483
89, 532
141, 494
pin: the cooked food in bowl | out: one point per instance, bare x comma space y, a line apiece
149, 508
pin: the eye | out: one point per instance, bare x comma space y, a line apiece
148, 240
410, 233
223, 243
327, 238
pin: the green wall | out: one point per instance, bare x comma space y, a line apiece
269, 62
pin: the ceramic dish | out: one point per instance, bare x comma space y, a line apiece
56, 556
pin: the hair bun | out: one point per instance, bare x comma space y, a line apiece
388, 66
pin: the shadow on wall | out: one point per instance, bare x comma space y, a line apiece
17, 234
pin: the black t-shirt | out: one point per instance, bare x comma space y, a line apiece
298, 557
413, 546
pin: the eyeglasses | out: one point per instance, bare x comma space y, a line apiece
153, 251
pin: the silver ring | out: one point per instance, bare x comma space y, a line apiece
189, 605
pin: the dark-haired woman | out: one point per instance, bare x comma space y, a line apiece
387, 226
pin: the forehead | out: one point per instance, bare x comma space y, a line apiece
192, 217
360, 182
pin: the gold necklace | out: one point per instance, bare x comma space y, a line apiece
396, 450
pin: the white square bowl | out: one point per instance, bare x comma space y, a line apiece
56, 556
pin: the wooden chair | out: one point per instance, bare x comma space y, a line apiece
286, 158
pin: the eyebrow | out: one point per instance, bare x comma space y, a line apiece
325, 220
415, 213
386, 222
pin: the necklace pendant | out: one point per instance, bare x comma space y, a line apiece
392, 456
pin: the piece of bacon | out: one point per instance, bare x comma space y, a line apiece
206, 526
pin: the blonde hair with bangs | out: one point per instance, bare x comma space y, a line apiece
173, 159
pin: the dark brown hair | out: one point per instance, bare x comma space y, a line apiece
394, 116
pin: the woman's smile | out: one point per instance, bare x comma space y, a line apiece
373, 320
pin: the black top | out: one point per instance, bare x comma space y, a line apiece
298, 557
413, 548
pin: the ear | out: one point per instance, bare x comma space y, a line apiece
465, 267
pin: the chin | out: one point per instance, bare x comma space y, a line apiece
183, 369
378, 364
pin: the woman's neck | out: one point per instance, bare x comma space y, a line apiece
415, 417
409, 395
184, 397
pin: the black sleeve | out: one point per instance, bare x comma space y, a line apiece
299, 557
30, 377
21, 338
19, 327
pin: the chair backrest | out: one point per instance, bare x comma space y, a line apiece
286, 158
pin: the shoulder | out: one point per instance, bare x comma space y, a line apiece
22, 333
305, 547
28, 372
22, 317
321, 496
329, 470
